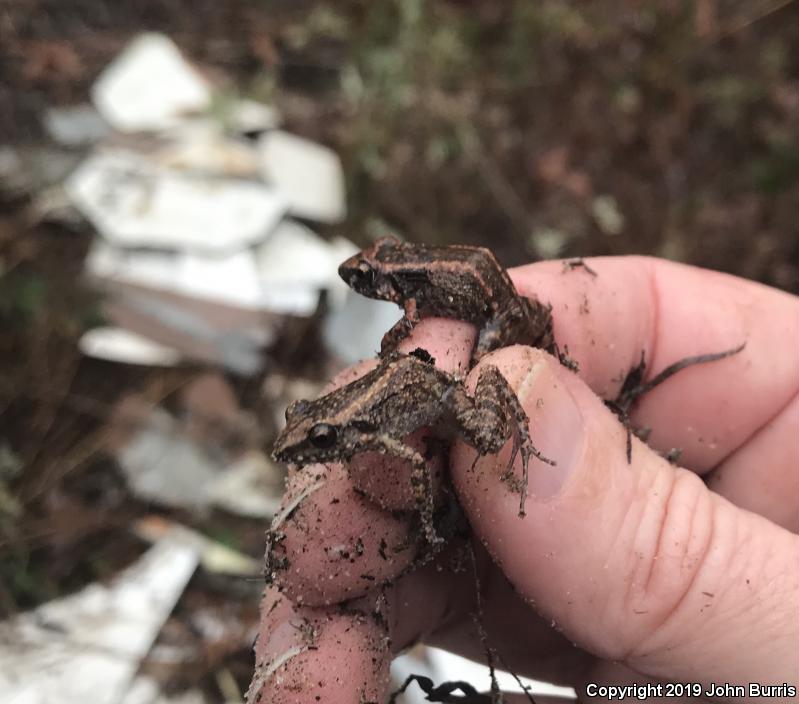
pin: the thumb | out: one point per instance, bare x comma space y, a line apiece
638, 563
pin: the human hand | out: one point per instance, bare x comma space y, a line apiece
648, 572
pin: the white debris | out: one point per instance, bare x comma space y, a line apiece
87, 647
76, 126
250, 117
295, 254
214, 556
134, 202
252, 486
283, 275
354, 330
164, 466
140, 295
156, 269
119, 345
309, 175
231, 280
200, 146
149, 86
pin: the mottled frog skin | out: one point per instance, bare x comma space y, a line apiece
457, 281
402, 394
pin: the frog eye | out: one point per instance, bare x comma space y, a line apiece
322, 436
363, 274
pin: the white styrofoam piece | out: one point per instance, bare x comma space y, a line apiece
237, 349
235, 279
291, 299
353, 331
76, 126
200, 145
149, 86
232, 279
295, 254
251, 116
156, 269
309, 175
135, 202
295, 257
251, 486
214, 556
87, 647
119, 345
164, 466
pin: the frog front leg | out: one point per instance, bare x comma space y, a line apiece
489, 418
402, 328
421, 481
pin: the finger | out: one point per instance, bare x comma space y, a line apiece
762, 475
670, 311
329, 543
641, 564
306, 656
335, 540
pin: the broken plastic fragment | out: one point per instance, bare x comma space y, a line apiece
118, 345
307, 174
160, 463
214, 556
76, 126
87, 647
135, 202
149, 86
252, 486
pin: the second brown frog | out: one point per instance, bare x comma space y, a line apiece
456, 281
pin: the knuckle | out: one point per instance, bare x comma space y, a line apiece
679, 553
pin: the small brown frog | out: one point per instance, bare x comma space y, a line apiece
466, 283
402, 394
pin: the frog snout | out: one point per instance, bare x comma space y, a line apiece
279, 449
347, 270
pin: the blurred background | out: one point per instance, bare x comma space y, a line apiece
179, 181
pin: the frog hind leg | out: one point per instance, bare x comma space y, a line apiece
525, 321
402, 328
421, 483
489, 419
537, 319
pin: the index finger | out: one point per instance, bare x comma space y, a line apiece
667, 311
